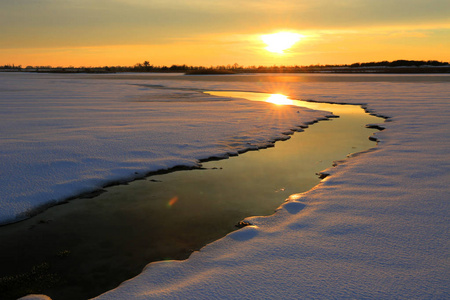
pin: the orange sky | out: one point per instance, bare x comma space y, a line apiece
206, 32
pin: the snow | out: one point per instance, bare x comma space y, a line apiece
63, 135
35, 297
376, 228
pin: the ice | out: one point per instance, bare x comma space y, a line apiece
65, 135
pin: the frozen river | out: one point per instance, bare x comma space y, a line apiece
360, 233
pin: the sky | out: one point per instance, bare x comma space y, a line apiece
220, 32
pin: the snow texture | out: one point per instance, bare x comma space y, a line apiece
376, 228
63, 135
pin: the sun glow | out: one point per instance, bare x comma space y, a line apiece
279, 99
280, 41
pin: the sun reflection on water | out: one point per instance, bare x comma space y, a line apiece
279, 99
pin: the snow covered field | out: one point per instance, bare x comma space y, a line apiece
377, 228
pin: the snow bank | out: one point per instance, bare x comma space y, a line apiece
35, 297
62, 135
376, 228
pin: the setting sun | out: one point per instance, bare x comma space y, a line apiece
280, 41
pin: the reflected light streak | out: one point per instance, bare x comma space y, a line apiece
172, 201
280, 99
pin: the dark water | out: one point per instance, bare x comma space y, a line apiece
88, 246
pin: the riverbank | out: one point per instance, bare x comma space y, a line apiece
376, 227
167, 216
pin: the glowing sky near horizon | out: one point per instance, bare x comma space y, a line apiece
204, 32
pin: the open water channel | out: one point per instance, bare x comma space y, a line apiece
88, 246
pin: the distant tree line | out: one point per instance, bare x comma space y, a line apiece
400, 63
403, 66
